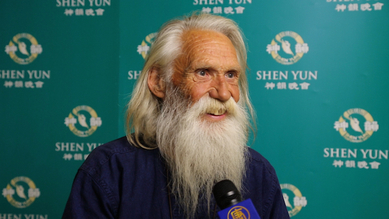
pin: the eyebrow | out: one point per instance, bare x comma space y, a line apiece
207, 66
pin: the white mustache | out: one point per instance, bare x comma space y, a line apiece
212, 106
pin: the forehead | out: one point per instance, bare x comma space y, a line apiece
203, 36
198, 44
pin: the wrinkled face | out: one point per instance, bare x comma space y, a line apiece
208, 65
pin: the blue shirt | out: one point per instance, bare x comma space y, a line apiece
119, 180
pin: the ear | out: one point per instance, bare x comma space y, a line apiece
156, 83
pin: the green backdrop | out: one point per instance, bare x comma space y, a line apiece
318, 81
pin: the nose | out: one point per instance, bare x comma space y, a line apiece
220, 89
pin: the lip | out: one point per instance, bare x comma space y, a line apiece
212, 117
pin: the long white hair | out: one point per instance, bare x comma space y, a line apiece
144, 107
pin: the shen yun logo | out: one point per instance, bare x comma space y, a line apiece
144, 47
285, 41
356, 125
23, 48
25, 189
83, 121
291, 192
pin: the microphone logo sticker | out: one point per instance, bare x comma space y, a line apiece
293, 195
356, 125
238, 212
287, 48
23, 48
21, 192
144, 47
83, 121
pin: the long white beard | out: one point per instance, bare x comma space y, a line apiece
198, 152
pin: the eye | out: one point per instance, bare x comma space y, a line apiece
230, 74
202, 72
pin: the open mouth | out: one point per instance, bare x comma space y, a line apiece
216, 112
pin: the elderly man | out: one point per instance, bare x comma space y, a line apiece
188, 123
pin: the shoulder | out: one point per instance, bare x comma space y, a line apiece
116, 154
261, 178
257, 162
263, 187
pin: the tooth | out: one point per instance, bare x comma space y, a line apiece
216, 112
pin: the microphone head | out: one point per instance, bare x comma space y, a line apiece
226, 194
